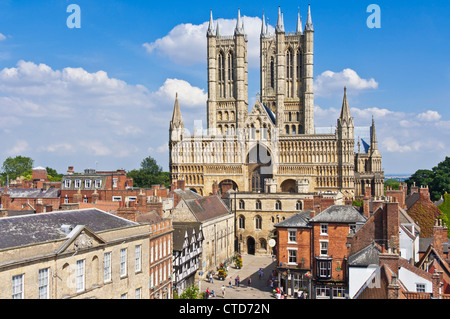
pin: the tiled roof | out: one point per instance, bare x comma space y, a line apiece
206, 208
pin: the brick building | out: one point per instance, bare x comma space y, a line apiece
161, 242
92, 186
312, 251
29, 199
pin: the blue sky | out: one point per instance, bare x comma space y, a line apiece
102, 96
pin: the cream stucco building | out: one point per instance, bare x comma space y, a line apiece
80, 254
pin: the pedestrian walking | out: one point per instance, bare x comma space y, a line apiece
211, 278
229, 284
238, 281
223, 291
249, 281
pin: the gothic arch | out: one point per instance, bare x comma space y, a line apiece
288, 186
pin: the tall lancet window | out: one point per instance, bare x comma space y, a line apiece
289, 72
272, 73
299, 71
230, 79
221, 75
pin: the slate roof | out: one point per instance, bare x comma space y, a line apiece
339, 214
411, 199
369, 255
31, 192
38, 228
298, 220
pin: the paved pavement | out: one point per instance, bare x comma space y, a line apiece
258, 288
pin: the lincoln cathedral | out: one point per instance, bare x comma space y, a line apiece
269, 160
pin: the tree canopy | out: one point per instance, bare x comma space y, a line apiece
14, 167
149, 174
437, 179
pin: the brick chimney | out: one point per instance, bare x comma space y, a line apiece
70, 170
439, 236
437, 280
393, 289
366, 206
215, 188
77, 197
414, 188
424, 193
95, 196
5, 199
389, 259
392, 226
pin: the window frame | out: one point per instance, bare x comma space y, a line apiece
107, 267
123, 262
43, 282
18, 289
81, 275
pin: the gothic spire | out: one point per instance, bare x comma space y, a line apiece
217, 29
280, 25
299, 24
177, 120
211, 25
263, 26
373, 136
345, 110
309, 24
239, 26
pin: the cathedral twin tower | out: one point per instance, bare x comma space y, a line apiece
274, 146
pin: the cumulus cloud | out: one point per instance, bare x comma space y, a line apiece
87, 114
429, 116
330, 82
185, 44
188, 95
392, 145
19, 148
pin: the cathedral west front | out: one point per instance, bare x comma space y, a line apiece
269, 161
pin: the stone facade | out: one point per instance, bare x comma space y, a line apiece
68, 261
274, 147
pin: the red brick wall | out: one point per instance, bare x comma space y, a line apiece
337, 240
303, 247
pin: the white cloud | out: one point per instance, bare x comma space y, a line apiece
188, 95
429, 116
2, 37
18, 149
392, 145
186, 43
330, 82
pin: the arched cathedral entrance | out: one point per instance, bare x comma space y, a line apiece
260, 167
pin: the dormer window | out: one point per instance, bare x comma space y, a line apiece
77, 183
87, 183
67, 183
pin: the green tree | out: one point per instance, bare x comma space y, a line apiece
392, 182
191, 292
437, 179
149, 174
53, 175
14, 167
